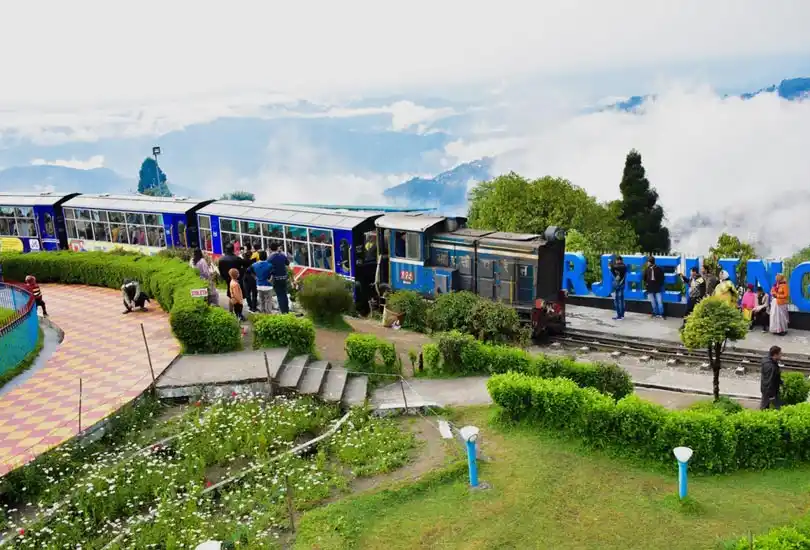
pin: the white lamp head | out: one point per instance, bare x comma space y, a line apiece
682, 454
469, 433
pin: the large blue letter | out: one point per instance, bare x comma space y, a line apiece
730, 266
762, 273
796, 283
604, 288
689, 263
574, 274
635, 265
669, 264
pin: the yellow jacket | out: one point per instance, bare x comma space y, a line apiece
727, 292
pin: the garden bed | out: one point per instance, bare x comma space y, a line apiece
159, 481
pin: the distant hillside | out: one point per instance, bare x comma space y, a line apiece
448, 190
791, 89
62, 178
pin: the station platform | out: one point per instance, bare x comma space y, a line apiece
643, 326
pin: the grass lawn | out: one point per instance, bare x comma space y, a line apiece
551, 493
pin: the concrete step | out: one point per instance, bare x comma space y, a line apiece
334, 385
291, 373
275, 361
312, 380
356, 391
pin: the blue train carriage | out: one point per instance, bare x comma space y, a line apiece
30, 222
317, 239
132, 222
433, 255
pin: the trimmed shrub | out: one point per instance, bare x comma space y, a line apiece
462, 354
325, 297
790, 537
724, 405
168, 281
280, 331
431, 357
368, 353
722, 442
452, 311
496, 322
795, 388
412, 306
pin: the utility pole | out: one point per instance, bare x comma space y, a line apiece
156, 153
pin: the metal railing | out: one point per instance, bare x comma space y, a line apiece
19, 326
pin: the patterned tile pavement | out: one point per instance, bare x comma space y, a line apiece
104, 349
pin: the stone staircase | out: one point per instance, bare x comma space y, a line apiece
212, 375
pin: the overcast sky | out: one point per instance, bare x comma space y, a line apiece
92, 51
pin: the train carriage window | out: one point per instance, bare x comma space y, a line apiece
82, 214
155, 220
181, 235
5, 226
50, 226
320, 236
442, 258
300, 253
231, 226
98, 215
322, 257
134, 218
205, 222
83, 230
274, 230
24, 212
156, 236
251, 228
117, 217
407, 245
118, 233
101, 231
7, 211
295, 233
266, 242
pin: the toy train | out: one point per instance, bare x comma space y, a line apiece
376, 248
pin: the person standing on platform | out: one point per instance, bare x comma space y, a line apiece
237, 299
711, 280
249, 279
227, 262
262, 270
771, 379
780, 296
726, 289
200, 263
619, 272
653, 286
696, 291
279, 262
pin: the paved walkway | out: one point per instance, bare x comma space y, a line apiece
104, 349
473, 391
643, 326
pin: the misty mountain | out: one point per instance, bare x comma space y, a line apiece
791, 89
447, 191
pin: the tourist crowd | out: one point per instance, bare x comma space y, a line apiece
768, 310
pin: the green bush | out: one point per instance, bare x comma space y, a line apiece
795, 388
462, 354
367, 353
168, 281
285, 331
452, 311
721, 442
724, 405
325, 296
496, 322
412, 306
790, 537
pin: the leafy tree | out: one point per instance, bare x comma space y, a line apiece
799, 257
730, 246
238, 196
639, 207
152, 180
516, 204
712, 323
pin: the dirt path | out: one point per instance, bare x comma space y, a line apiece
330, 343
432, 452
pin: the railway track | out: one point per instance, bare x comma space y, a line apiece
669, 351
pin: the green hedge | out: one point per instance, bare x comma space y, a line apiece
169, 281
325, 297
795, 388
722, 442
789, 537
368, 353
412, 306
280, 331
456, 353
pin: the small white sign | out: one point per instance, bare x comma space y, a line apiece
199, 292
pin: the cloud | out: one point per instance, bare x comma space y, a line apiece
96, 161
325, 48
742, 165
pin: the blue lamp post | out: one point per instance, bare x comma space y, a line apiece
470, 436
682, 454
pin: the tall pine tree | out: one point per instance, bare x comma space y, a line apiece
152, 180
640, 209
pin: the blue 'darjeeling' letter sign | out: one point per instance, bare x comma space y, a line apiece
758, 272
